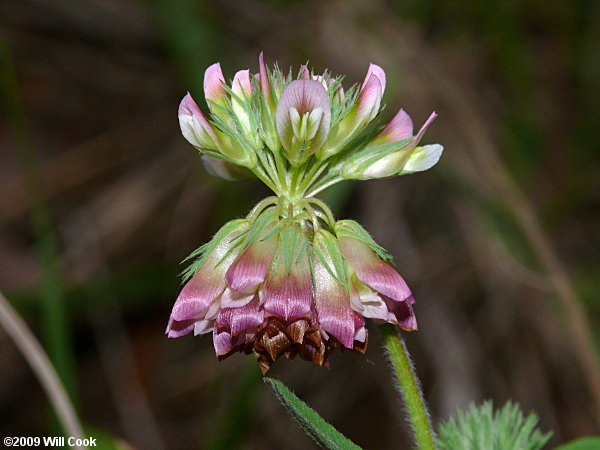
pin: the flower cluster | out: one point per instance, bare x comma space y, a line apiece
290, 279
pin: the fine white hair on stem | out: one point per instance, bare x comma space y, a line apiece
39, 362
396, 382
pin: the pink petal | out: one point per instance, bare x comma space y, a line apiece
288, 295
197, 295
423, 129
177, 329
360, 334
402, 314
333, 306
369, 99
241, 83
265, 87
367, 302
213, 83
372, 271
251, 267
235, 299
224, 169
374, 69
399, 128
236, 320
223, 342
305, 72
188, 113
304, 96
198, 300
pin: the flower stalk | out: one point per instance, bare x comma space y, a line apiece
410, 388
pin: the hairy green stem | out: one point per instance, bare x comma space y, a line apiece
325, 209
320, 187
410, 388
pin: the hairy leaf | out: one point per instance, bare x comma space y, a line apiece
483, 428
323, 433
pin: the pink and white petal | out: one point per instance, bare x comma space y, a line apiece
423, 129
235, 299
305, 72
214, 91
423, 158
265, 86
402, 314
372, 271
288, 295
333, 306
194, 125
367, 303
177, 328
251, 267
245, 318
196, 296
399, 128
203, 326
304, 96
374, 69
369, 100
360, 334
225, 170
242, 86
223, 342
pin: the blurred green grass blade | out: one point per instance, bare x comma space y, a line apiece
187, 30
586, 443
55, 321
323, 433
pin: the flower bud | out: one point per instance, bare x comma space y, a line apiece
303, 117
394, 151
364, 111
195, 127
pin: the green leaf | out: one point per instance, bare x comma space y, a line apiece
586, 443
483, 428
323, 433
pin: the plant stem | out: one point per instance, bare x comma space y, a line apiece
33, 352
410, 388
319, 187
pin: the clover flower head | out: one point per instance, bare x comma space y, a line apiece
289, 279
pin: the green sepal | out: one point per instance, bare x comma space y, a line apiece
353, 229
358, 163
341, 107
294, 245
204, 251
236, 135
265, 225
327, 249
324, 434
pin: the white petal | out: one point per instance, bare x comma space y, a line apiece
423, 158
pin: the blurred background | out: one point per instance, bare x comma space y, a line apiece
101, 198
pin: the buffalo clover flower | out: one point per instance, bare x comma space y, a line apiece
289, 279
